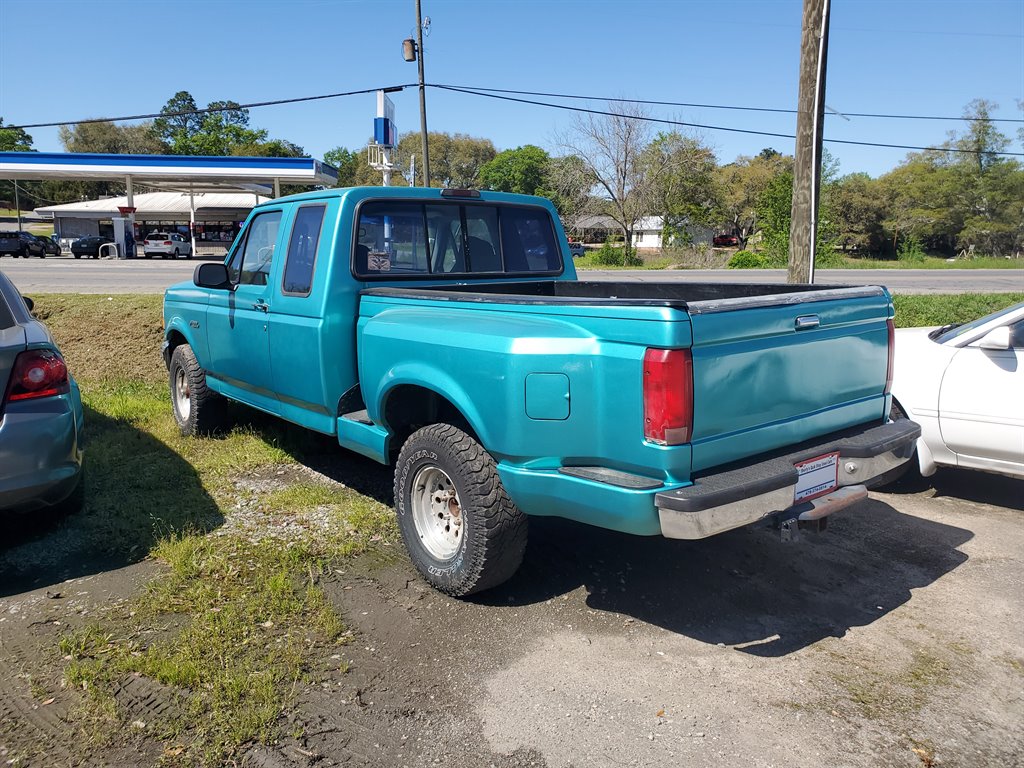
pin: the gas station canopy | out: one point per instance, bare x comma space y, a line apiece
261, 175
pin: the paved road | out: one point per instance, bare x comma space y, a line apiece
66, 275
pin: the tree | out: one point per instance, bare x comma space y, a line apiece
523, 170
611, 150
740, 186
14, 139
347, 163
858, 211
455, 159
982, 142
682, 170
106, 137
224, 130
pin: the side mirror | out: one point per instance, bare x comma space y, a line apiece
997, 338
212, 276
29, 303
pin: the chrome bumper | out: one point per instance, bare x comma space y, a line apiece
746, 494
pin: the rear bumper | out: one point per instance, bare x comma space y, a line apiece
744, 494
40, 452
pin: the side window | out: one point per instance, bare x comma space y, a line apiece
258, 249
298, 269
391, 239
528, 241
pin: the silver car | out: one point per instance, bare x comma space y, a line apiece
41, 416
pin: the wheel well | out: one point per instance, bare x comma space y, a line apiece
174, 340
409, 407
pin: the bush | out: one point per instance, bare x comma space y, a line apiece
910, 249
609, 255
752, 260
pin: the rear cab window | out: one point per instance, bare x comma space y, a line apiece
412, 239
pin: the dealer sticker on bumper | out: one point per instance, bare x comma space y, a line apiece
817, 476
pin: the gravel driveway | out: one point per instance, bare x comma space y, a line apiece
894, 639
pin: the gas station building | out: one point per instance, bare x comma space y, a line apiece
206, 196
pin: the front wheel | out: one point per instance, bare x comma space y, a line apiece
198, 410
460, 528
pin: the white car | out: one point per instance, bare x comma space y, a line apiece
167, 244
964, 384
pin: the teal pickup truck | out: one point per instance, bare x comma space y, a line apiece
445, 332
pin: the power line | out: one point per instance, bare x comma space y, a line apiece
718, 106
207, 110
495, 93
664, 121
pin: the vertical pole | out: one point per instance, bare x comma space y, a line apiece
423, 96
412, 171
192, 217
17, 203
803, 230
385, 157
130, 224
277, 188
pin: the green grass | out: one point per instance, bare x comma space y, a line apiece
932, 262
232, 625
940, 309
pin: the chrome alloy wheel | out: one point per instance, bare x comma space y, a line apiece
182, 395
437, 512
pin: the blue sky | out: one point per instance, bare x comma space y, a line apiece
97, 58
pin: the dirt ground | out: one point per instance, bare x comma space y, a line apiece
894, 639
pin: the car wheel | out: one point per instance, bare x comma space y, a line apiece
77, 255
460, 528
174, 254
198, 410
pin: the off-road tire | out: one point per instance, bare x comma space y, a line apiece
205, 408
494, 530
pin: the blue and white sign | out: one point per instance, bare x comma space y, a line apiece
385, 133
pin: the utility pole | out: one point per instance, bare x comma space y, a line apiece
803, 230
423, 98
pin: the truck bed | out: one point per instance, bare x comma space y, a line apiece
695, 298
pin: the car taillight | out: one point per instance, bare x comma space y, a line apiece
38, 373
668, 396
167, 242
892, 351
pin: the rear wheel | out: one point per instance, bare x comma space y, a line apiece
198, 410
175, 253
461, 530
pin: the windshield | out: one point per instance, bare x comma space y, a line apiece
954, 331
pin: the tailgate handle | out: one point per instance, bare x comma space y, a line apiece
804, 322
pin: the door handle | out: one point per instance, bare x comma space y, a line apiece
261, 305
805, 322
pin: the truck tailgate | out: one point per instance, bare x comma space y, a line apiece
769, 373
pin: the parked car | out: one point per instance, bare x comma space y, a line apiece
577, 249
167, 244
22, 244
964, 384
89, 246
498, 386
50, 245
41, 417
725, 241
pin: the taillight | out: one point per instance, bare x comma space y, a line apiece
38, 373
167, 242
892, 351
668, 396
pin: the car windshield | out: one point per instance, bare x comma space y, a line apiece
955, 331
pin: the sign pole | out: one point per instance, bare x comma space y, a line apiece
423, 98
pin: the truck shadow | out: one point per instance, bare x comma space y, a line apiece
137, 491
744, 588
